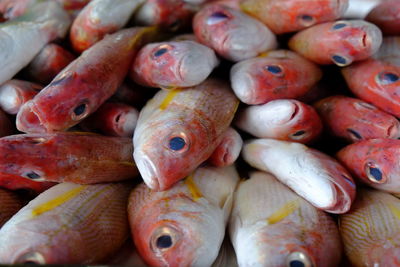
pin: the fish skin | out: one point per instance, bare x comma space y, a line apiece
68, 224
371, 230
112, 119
193, 213
197, 115
98, 18
43, 23
269, 224
52, 59
367, 81
315, 176
356, 40
231, 33
291, 76
228, 151
77, 157
381, 154
281, 119
386, 16
10, 204
84, 84
17, 182
14, 93
287, 15
355, 120
183, 64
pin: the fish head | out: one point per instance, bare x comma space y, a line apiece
170, 150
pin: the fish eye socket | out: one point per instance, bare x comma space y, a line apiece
298, 259
80, 111
340, 61
387, 78
339, 25
306, 20
32, 175
216, 18
163, 238
274, 69
374, 174
298, 135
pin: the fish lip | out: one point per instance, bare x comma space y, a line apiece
34, 125
243, 86
373, 37
147, 170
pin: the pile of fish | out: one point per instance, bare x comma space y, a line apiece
200, 132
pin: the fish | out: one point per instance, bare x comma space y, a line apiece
184, 225
173, 64
177, 130
354, 120
52, 59
371, 230
272, 226
86, 83
374, 162
10, 203
315, 176
282, 119
386, 16
112, 119
286, 16
98, 18
226, 255
341, 42
228, 150
68, 224
277, 74
77, 157
43, 23
14, 93
231, 33
376, 82
6, 127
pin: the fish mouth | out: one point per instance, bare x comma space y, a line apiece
372, 38
28, 121
285, 111
147, 170
243, 85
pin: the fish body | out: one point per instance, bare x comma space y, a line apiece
173, 64
44, 22
48, 63
228, 150
276, 75
371, 230
355, 120
293, 15
184, 225
374, 162
231, 33
67, 157
178, 130
386, 16
85, 84
283, 119
376, 82
113, 119
10, 204
15, 93
272, 226
98, 18
68, 224
315, 176
340, 42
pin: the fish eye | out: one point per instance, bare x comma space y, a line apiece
178, 142
339, 25
298, 259
80, 111
298, 135
161, 50
374, 174
306, 20
274, 69
163, 238
164, 241
354, 134
33, 175
387, 78
216, 18
340, 61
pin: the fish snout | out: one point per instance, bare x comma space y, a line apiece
28, 121
147, 170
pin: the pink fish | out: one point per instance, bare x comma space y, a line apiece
386, 16
228, 150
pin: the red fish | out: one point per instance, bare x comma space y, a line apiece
275, 75
228, 150
293, 15
386, 16
376, 82
16, 182
85, 84
83, 158
231, 33
48, 63
355, 120
114, 119
340, 42
15, 93
375, 162
10, 204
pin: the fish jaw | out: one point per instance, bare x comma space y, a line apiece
147, 170
28, 121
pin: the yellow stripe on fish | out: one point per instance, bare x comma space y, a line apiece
283, 212
395, 211
167, 100
54, 203
194, 190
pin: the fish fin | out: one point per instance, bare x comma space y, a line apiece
193, 188
283, 212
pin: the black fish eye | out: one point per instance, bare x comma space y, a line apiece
306, 17
298, 259
374, 174
177, 143
339, 60
274, 69
299, 133
79, 110
339, 25
354, 134
160, 52
32, 175
387, 78
164, 241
